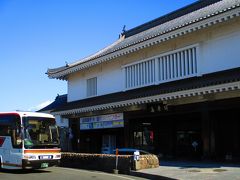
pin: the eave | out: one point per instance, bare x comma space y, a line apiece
209, 85
149, 39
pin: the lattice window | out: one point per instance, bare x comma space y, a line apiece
140, 74
178, 65
170, 66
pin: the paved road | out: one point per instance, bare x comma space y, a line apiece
192, 170
61, 174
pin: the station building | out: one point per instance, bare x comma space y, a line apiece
170, 86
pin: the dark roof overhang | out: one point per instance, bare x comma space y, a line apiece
212, 79
59, 101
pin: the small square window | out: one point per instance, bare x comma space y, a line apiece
92, 87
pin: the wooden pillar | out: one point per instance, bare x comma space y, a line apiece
236, 140
126, 132
173, 140
205, 132
212, 137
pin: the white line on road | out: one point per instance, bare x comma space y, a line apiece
96, 172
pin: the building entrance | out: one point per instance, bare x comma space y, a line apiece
108, 144
176, 135
188, 144
73, 135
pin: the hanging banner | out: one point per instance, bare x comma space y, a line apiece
102, 121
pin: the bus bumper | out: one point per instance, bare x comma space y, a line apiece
39, 164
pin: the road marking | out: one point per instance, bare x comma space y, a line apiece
116, 176
102, 173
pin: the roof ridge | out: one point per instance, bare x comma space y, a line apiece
169, 16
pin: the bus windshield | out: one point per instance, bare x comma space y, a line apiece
40, 132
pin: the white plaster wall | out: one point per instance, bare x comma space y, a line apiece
109, 80
76, 87
217, 53
220, 54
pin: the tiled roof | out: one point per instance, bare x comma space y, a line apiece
200, 12
170, 16
60, 100
212, 79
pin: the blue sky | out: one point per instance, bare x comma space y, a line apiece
39, 34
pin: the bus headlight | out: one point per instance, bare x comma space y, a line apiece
29, 157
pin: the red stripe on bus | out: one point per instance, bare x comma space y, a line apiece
37, 151
4, 114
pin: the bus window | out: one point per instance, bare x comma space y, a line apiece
10, 125
40, 132
16, 134
4, 130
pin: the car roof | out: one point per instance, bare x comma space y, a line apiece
127, 149
131, 150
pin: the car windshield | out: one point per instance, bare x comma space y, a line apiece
40, 132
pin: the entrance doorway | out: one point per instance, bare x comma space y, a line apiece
188, 144
73, 134
108, 144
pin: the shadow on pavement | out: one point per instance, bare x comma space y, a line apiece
198, 164
23, 171
149, 176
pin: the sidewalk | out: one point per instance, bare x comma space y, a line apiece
169, 170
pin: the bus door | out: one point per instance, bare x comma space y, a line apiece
4, 150
11, 141
11, 156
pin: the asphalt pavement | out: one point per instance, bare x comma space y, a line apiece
168, 170
187, 170
61, 174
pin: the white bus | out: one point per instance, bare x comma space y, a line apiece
28, 140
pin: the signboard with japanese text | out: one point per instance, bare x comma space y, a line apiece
102, 121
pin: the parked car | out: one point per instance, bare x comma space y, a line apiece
130, 151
